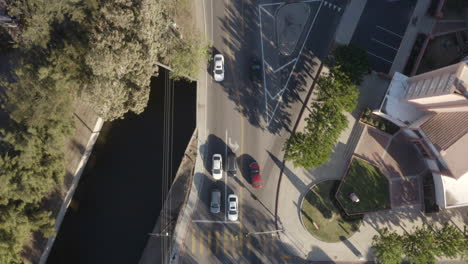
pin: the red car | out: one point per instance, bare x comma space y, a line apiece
255, 175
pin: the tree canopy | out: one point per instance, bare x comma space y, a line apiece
421, 246
312, 146
388, 247
338, 88
103, 52
352, 61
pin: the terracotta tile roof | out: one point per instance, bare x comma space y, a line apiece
444, 129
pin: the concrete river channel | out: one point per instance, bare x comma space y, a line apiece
118, 199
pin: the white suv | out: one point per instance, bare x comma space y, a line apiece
217, 169
218, 70
233, 212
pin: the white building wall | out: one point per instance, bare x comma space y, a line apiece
439, 190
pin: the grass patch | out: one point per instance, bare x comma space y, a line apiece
331, 225
369, 184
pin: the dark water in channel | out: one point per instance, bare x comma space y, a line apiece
119, 196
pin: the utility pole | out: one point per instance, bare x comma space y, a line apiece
264, 232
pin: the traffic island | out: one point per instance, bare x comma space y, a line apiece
323, 218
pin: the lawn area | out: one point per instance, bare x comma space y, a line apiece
318, 208
370, 186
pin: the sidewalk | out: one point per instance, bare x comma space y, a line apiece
298, 181
186, 210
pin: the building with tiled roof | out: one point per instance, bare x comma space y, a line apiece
432, 110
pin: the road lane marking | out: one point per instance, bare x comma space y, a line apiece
263, 58
208, 241
270, 117
194, 241
267, 12
215, 221
384, 44
216, 241
389, 31
372, 54
225, 178
280, 3
212, 31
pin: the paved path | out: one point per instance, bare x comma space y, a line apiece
297, 182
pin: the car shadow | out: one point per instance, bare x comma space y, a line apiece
214, 145
244, 161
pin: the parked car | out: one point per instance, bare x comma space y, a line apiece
231, 165
255, 178
215, 203
233, 205
217, 169
255, 70
218, 70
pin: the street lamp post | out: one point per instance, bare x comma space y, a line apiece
264, 232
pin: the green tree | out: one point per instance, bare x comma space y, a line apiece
38, 17
17, 223
312, 147
187, 55
338, 88
419, 246
450, 242
124, 46
388, 247
351, 60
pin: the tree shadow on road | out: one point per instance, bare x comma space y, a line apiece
242, 39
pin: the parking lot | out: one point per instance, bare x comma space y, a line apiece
381, 29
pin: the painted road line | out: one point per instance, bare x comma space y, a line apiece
285, 65
214, 221
295, 63
268, 13
304, 42
216, 241
212, 31
310, 1
280, 3
193, 245
225, 178
263, 56
372, 54
384, 44
389, 31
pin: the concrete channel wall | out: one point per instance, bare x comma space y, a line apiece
160, 241
78, 149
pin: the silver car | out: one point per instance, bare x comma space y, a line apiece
218, 70
215, 204
233, 205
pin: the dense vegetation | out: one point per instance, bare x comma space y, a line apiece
103, 52
337, 93
422, 245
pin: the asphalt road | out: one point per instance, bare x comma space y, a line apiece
381, 29
253, 120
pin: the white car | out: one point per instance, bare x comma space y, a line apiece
217, 169
218, 70
233, 205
